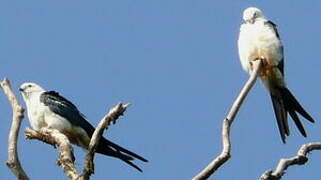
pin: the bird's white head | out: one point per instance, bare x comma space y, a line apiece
28, 89
251, 14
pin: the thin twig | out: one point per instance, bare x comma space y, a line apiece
227, 122
300, 159
111, 117
54, 137
13, 159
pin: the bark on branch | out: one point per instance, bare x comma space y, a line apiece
300, 159
227, 122
13, 159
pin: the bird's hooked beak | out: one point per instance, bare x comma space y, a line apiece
21, 89
250, 21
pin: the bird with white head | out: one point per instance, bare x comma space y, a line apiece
48, 109
260, 40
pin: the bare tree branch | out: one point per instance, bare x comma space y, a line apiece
300, 159
54, 137
227, 122
13, 159
111, 117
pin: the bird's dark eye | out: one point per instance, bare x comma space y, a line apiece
256, 14
29, 85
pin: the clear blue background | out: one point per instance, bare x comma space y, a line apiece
176, 61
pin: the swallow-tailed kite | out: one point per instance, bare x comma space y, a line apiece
49, 109
259, 39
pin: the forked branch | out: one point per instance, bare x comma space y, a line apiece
300, 159
54, 137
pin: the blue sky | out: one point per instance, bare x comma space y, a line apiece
176, 61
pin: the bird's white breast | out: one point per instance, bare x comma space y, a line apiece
258, 40
35, 112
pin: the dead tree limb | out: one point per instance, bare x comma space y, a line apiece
300, 159
17, 115
113, 114
227, 122
54, 137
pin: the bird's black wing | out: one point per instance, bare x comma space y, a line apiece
281, 64
66, 109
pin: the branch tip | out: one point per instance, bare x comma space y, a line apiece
227, 122
111, 117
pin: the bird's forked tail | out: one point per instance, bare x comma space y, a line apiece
283, 103
111, 149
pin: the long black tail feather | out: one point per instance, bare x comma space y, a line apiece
109, 148
280, 115
123, 150
293, 105
284, 102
